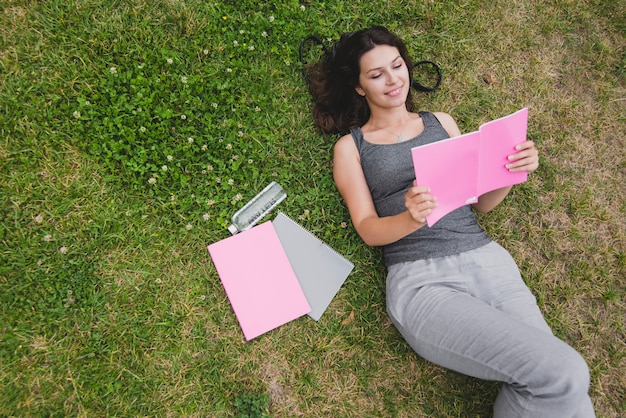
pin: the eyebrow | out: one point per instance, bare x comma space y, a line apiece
379, 68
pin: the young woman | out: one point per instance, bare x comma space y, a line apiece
456, 296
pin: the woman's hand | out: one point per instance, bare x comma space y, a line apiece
419, 202
526, 159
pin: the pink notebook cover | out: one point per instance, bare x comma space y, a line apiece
259, 280
460, 169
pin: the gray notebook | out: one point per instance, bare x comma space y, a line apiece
321, 271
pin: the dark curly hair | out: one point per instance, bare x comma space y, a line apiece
333, 80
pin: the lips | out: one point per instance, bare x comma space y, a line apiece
394, 92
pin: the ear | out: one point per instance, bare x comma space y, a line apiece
360, 91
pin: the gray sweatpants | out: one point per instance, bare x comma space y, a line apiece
472, 313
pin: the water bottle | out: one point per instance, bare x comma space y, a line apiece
257, 208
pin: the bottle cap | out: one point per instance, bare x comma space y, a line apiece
233, 229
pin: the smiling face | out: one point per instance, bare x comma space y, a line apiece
384, 78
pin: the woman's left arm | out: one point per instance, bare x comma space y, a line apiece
525, 159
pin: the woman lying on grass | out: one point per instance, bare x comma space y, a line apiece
456, 296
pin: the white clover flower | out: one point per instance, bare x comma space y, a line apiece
251, 48
170, 61
250, 161
257, 109
205, 147
184, 79
240, 134
229, 70
142, 129
183, 116
206, 216
302, 7
210, 168
190, 140
113, 70
170, 158
264, 34
189, 227
218, 180
235, 43
231, 182
63, 250
241, 31
214, 105
206, 52
210, 202
229, 146
164, 168
151, 180
39, 219
47, 238
76, 114
271, 18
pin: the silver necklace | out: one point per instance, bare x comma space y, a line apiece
399, 137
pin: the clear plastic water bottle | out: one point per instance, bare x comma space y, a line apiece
257, 208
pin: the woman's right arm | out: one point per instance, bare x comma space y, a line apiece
351, 183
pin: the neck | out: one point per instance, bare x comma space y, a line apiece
390, 119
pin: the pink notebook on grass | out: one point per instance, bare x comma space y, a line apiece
460, 169
259, 280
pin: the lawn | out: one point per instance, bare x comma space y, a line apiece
130, 132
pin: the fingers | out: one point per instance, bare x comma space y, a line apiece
418, 190
526, 159
419, 203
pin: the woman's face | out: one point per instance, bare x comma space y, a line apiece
384, 78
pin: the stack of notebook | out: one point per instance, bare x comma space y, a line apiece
276, 272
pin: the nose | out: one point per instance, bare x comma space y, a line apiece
391, 78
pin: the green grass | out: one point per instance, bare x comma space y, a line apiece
109, 302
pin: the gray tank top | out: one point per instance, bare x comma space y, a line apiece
389, 173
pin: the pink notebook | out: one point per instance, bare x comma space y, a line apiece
460, 169
259, 280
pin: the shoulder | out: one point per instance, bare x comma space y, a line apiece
346, 153
345, 144
448, 123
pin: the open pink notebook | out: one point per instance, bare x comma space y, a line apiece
259, 280
460, 169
